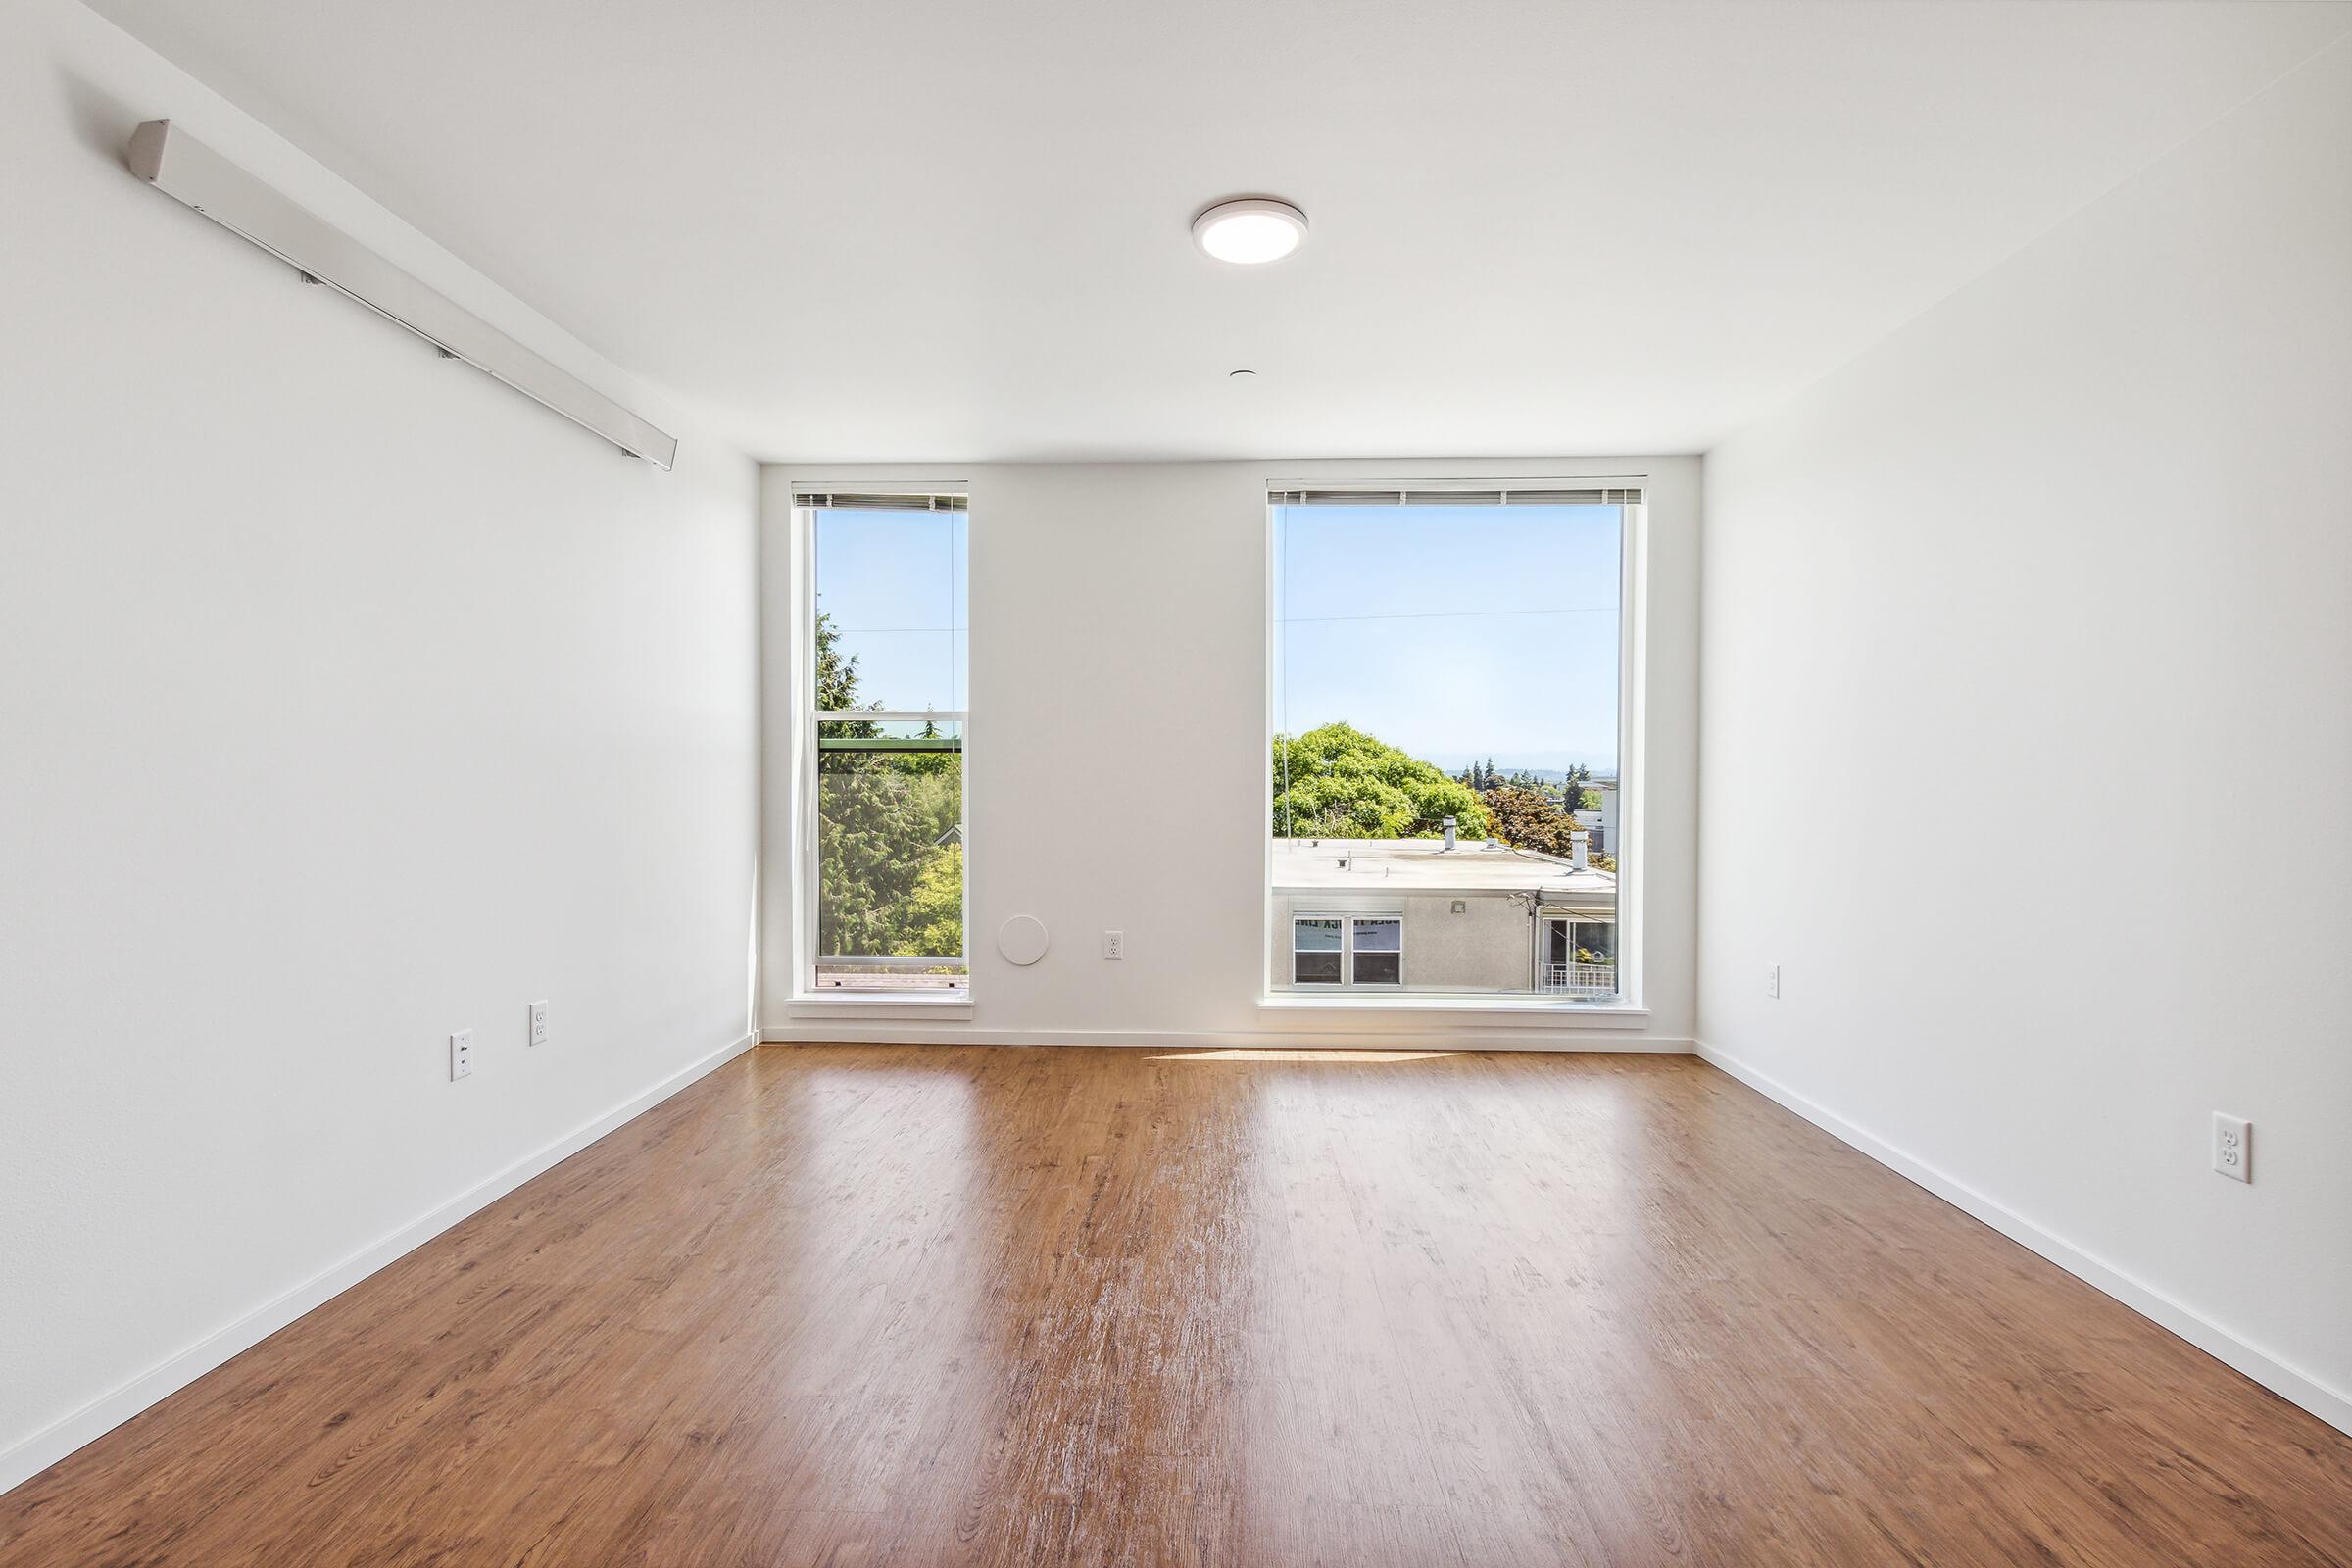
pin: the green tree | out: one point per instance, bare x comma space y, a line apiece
882, 817
934, 916
1573, 796
1339, 782
1527, 819
888, 883
836, 672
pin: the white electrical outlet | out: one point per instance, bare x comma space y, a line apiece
538, 1023
1115, 943
461, 1054
1772, 980
2234, 1146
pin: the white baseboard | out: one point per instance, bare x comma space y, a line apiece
28, 1457
1466, 1037
2329, 1404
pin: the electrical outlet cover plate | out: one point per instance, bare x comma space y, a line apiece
2234, 1146
1772, 980
461, 1054
538, 1023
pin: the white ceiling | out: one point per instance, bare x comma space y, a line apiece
887, 229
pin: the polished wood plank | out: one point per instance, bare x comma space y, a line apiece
854, 1306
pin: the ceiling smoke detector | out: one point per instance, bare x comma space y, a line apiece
1256, 229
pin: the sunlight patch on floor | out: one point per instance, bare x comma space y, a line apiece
1259, 1054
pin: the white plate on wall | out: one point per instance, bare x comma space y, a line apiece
1023, 940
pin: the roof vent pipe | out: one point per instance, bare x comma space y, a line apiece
1579, 849
1450, 832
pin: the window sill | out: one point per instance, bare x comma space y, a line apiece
878, 1004
1595, 1015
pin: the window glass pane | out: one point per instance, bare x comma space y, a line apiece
1445, 737
890, 860
888, 846
1315, 936
890, 598
1315, 968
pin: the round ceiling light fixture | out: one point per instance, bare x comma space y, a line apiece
1255, 229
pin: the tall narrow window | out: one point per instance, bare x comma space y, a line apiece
1447, 767
886, 695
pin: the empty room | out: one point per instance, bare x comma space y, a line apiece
1242, 783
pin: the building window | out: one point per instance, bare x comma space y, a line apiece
1579, 958
884, 836
1316, 959
1359, 950
1446, 736
1376, 950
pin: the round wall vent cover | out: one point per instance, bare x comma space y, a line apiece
1023, 940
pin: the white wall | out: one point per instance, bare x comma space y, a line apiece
1118, 620
2028, 726
346, 698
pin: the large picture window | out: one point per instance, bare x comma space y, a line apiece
887, 716
1447, 781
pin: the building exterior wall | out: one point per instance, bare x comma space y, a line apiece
1488, 947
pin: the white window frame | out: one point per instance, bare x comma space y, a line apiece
807, 753
1297, 917
1347, 950
1546, 922
1348, 968
1632, 655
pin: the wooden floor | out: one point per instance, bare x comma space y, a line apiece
853, 1305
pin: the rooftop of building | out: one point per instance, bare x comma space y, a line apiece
1472, 866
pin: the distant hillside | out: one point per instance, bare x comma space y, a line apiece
1551, 771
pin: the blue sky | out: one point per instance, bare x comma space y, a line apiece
1450, 631
1453, 632
893, 584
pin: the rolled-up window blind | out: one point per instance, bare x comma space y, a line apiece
879, 501
1374, 496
